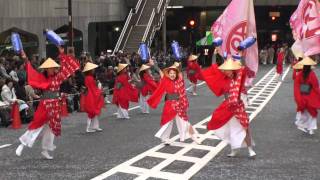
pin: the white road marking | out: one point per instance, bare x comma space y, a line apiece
5, 145
136, 107
260, 96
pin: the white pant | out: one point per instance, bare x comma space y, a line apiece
29, 137
306, 121
93, 123
143, 104
122, 113
183, 129
233, 133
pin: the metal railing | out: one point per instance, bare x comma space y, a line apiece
125, 28
159, 6
145, 36
123, 32
161, 16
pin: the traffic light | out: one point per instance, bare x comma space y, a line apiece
192, 23
273, 18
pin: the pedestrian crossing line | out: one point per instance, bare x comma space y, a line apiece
136, 107
210, 143
5, 145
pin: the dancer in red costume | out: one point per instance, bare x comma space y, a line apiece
193, 72
149, 85
93, 99
175, 107
280, 59
124, 92
49, 109
229, 121
307, 97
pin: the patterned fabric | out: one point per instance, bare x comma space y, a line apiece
181, 105
235, 103
52, 106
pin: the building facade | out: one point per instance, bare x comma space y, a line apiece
30, 17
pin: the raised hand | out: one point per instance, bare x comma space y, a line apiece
23, 55
61, 49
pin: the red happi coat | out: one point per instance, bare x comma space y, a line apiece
49, 110
126, 93
171, 107
93, 99
280, 60
310, 102
233, 105
149, 86
194, 66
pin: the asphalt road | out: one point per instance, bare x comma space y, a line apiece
283, 151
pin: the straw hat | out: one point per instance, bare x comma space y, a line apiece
176, 64
173, 67
89, 66
297, 66
49, 63
192, 57
144, 67
230, 64
307, 61
121, 67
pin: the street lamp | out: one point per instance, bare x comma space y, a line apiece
117, 29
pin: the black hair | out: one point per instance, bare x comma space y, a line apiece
8, 80
142, 73
306, 71
219, 59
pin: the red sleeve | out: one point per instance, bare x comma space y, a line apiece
36, 79
315, 86
215, 79
156, 97
148, 79
68, 66
296, 90
133, 92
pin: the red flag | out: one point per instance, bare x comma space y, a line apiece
305, 24
236, 23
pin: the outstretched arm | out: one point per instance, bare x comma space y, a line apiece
68, 64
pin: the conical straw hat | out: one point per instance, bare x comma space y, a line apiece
192, 57
49, 63
230, 64
176, 64
121, 67
144, 67
89, 66
297, 66
307, 61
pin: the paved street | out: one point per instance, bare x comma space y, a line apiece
283, 152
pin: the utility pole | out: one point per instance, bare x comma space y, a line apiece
70, 23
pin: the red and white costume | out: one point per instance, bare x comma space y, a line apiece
149, 86
174, 108
123, 93
229, 121
49, 108
307, 104
93, 101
